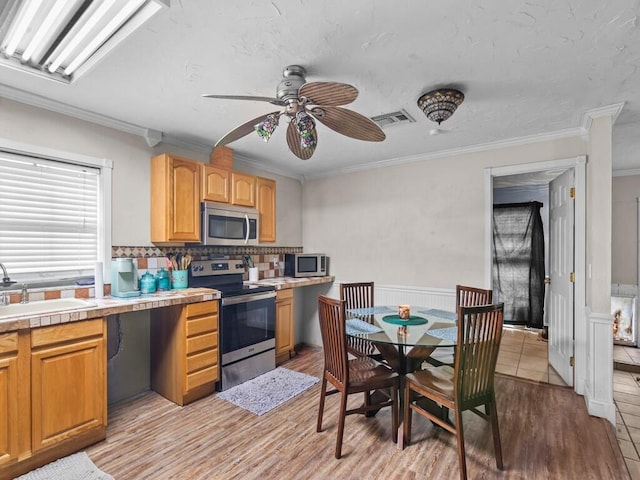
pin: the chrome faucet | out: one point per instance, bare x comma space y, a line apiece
24, 294
6, 281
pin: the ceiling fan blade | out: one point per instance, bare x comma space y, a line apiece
293, 140
274, 101
328, 93
349, 123
244, 129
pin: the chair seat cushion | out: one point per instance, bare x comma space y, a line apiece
435, 379
365, 370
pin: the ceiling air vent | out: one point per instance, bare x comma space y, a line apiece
394, 118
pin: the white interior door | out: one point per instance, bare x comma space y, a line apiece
561, 265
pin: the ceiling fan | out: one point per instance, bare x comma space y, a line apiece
302, 103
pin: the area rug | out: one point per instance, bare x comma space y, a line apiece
74, 467
268, 391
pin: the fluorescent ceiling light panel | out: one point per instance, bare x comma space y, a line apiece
62, 39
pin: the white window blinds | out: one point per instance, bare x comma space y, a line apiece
48, 218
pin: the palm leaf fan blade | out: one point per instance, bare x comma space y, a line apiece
349, 123
244, 129
295, 143
328, 93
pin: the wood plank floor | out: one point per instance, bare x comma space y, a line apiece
545, 429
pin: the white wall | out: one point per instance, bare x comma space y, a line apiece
418, 224
624, 229
131, 172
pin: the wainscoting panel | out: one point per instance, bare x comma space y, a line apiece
440, 298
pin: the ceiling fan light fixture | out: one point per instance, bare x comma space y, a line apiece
306, 127
266, 128
439, 105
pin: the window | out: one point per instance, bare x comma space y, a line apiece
54, 217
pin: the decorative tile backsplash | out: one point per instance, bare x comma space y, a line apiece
269, 260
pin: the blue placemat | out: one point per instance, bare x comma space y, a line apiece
450, 334
355, 326
440, 313
369, 310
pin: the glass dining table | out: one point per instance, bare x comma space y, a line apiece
404, 344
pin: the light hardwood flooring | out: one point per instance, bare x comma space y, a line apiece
546, 433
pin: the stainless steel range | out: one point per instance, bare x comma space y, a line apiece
247, 320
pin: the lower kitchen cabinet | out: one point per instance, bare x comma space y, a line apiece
68, 382
284, 325
184, 351
9, 397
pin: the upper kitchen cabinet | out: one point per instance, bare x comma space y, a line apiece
215, 184
175, 199
266, 204
243, 189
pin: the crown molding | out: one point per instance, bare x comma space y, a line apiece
625, 172
499, 144
151, 136
258, 164
607, 111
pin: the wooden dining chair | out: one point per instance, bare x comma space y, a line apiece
359, 295
358, 375
465, 297
466, 386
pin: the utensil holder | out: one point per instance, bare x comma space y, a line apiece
179, 279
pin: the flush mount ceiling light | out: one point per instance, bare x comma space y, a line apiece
438, 105
62, 39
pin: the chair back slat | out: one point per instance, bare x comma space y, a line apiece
358, 295
332, 329
472, 296
479, 336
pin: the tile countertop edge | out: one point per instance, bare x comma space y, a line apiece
107, 306
282, 283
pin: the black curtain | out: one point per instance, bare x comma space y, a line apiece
518, 262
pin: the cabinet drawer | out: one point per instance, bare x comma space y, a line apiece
200, 325
284, 294
201, 377
201, 360
8, 342
201, 308
65, 332
202, 342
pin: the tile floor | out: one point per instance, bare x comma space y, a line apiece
524, 354
626, 396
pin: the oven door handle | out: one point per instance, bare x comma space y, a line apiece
254, 297
246, 220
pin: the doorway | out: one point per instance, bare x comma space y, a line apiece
568, 343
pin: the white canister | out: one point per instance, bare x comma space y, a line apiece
253, 274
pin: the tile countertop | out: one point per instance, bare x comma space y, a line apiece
100, 307
290, 282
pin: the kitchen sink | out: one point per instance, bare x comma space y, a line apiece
45, 306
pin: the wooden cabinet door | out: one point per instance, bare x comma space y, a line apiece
284, 325
8, 397
243, 189
68, 381
175, 199
266, 204
215, 184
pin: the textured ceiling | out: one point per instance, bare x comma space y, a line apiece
526, 68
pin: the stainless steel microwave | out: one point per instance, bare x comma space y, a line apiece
228, 225
305, 264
